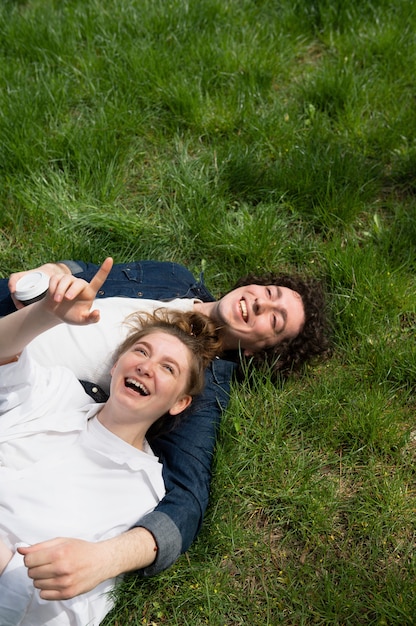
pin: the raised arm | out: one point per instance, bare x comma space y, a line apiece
68, 299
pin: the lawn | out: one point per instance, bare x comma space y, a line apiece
235, 136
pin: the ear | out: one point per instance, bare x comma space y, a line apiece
180, 405
248, 353
113, 368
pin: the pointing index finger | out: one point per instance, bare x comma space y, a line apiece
101, 276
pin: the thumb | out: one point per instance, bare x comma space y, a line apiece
93, 317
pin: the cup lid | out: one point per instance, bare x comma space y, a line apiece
31, 285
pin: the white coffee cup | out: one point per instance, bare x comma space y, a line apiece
32, 287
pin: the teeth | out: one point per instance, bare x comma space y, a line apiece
132, 383
243, 307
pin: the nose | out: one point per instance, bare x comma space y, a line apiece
145, 368
261, 306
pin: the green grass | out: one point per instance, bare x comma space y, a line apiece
242, 136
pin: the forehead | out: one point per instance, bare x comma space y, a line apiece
159, 337
167, 344
288, 292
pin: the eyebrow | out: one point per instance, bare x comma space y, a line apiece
169, 359
283, 311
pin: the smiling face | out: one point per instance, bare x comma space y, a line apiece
151, 378
256, 317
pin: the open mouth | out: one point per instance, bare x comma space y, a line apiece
243, 308
131, 383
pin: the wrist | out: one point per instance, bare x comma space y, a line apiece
70, 267
63, 267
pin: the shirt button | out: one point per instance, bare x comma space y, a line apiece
139, 294
101, 292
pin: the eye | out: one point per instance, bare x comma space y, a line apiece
169, 368
141, 350
269, 292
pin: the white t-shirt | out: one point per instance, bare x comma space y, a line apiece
88, 350
62, 473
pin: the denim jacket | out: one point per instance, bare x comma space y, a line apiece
187, 451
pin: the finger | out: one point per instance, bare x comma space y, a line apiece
61, 588
34, 561
54, 594
51, 595
39, 549
42, 567
44, 575
44, 578
17, 303
93, 317
13, 280
102, 274
52, 586
61, 285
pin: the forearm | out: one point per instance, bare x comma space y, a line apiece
130, 551
19, 328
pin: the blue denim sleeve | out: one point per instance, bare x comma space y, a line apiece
6, 302
187, 454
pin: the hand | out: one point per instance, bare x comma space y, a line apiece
70, 298
63, 568
51, 269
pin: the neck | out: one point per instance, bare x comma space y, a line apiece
211, 309
133, 434
207, 308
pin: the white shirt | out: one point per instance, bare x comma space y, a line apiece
62, 473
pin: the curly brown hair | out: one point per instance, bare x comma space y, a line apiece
313, 340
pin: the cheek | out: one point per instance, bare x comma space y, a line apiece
262, 328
